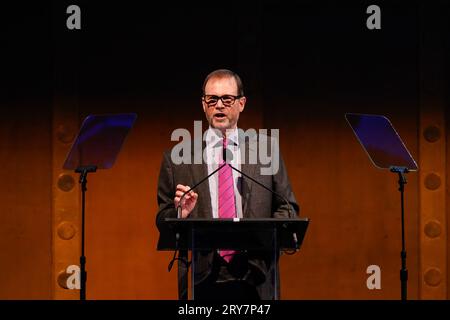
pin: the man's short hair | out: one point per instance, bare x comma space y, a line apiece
225, 73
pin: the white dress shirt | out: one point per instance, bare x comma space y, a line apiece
213, 155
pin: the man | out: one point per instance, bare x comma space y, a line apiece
226, 274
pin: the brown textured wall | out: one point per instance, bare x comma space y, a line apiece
25, 196
353, 206
447, 196
354, 211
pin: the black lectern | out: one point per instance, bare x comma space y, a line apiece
266, 235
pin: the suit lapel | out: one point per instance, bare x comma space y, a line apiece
199, 172
249, 169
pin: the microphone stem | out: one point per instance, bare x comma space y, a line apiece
294, 235
265, 187
195, 186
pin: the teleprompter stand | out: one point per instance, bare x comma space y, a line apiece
96, 147
386, 150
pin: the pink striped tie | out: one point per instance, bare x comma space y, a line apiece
227, 205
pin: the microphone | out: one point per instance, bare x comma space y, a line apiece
195, 186
226, 155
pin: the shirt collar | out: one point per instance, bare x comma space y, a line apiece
214, 138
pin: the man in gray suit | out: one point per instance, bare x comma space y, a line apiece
226, 275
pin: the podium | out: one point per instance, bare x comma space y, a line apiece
269, 235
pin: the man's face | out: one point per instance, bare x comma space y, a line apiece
220, 116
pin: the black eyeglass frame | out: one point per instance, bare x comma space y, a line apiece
210, 104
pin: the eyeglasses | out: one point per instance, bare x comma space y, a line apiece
227, 99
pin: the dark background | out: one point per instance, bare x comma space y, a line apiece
278, 47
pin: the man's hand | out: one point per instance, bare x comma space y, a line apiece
188, 202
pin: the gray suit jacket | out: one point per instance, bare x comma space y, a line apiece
256, 203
